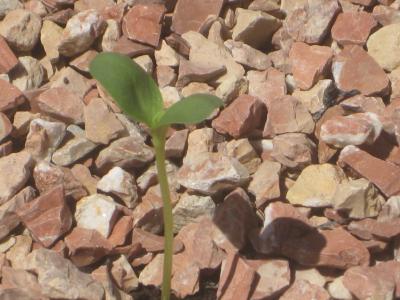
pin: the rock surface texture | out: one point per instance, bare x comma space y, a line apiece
289, 191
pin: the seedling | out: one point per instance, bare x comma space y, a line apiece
136, 93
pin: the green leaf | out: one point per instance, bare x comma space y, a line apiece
190, 110
132, 88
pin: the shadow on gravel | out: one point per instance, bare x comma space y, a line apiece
283, 237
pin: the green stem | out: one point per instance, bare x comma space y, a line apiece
159, 145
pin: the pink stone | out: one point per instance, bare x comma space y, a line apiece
380, 282
241, 117
190, 15
62, 104
309, 63
371, 228
386, 15
8, 60
354, 69
288, 115
86, 246
355, 129
381, 173
236, 279
120, 231
312, 23
47, 217
143, 23
10, 97
353, 27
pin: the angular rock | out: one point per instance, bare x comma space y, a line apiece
381, 173
5, 127
309, 63
11, 96
189, 72
354, 69
293, 150
386, 15
268, 86
61, 104
176, 144
8, 60
380, 281
353, 27
130, 48
9, 219
383, 45
97, 212
316, 186
394, 77
21, 29
265, 185
304, 290
47, 176
59, 278
103, 276
74, 149
86, 246
8, 5
15, 170
43, 138
149, 177
101, 124
166, 76
247, 55
190, 207
153, 243
82, 175
143, 23
120, 231
372, 229
80, 32
318, 98
50, 36
235, 218
287, 115
72, 80
124, 274
111, 35
190, 15
237, 278
145, 62
29, 74
362, 104
241, 117
19, 251
120, 183
126, 153
310, 275
205, 52
209, 173
311, 23
254, 28
166, 56
274, 277
82, 62
356, 129
358, 198
47, 217
22, 281
337, 289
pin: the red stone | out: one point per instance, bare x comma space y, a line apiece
8, 60
190, 15
143, 23
241, 117
353, 27
47, 217
10, 96
353, 69
120, 231
383, 174
309, 63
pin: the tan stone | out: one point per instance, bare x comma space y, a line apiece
304, 290
50, 36
316, 186
5, 127
248, 56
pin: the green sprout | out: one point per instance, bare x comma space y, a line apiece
136, 93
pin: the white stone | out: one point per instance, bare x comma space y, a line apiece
111, 35
190, 207
312, 276
166, 56
120, 183
145, 62
98, 212
337, 290
80, 32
